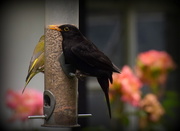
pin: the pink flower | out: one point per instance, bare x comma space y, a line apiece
153, 107
127, 85
153, 66
24, 105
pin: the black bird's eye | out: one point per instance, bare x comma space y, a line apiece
66, 29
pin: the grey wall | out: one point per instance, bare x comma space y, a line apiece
22, 24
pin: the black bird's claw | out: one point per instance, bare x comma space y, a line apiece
78, 74
72, 74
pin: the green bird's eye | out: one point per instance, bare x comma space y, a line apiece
66, 29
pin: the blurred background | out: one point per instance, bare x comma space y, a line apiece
121, 29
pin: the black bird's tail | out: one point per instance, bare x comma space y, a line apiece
115, 68
104, 83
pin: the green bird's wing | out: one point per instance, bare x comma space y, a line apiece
37, 61
38, 50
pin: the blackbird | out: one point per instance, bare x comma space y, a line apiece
37, 61
86, 58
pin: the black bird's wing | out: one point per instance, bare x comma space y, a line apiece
90, 54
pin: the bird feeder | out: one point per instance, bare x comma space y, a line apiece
61, 91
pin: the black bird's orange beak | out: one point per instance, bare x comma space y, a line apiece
54, 27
